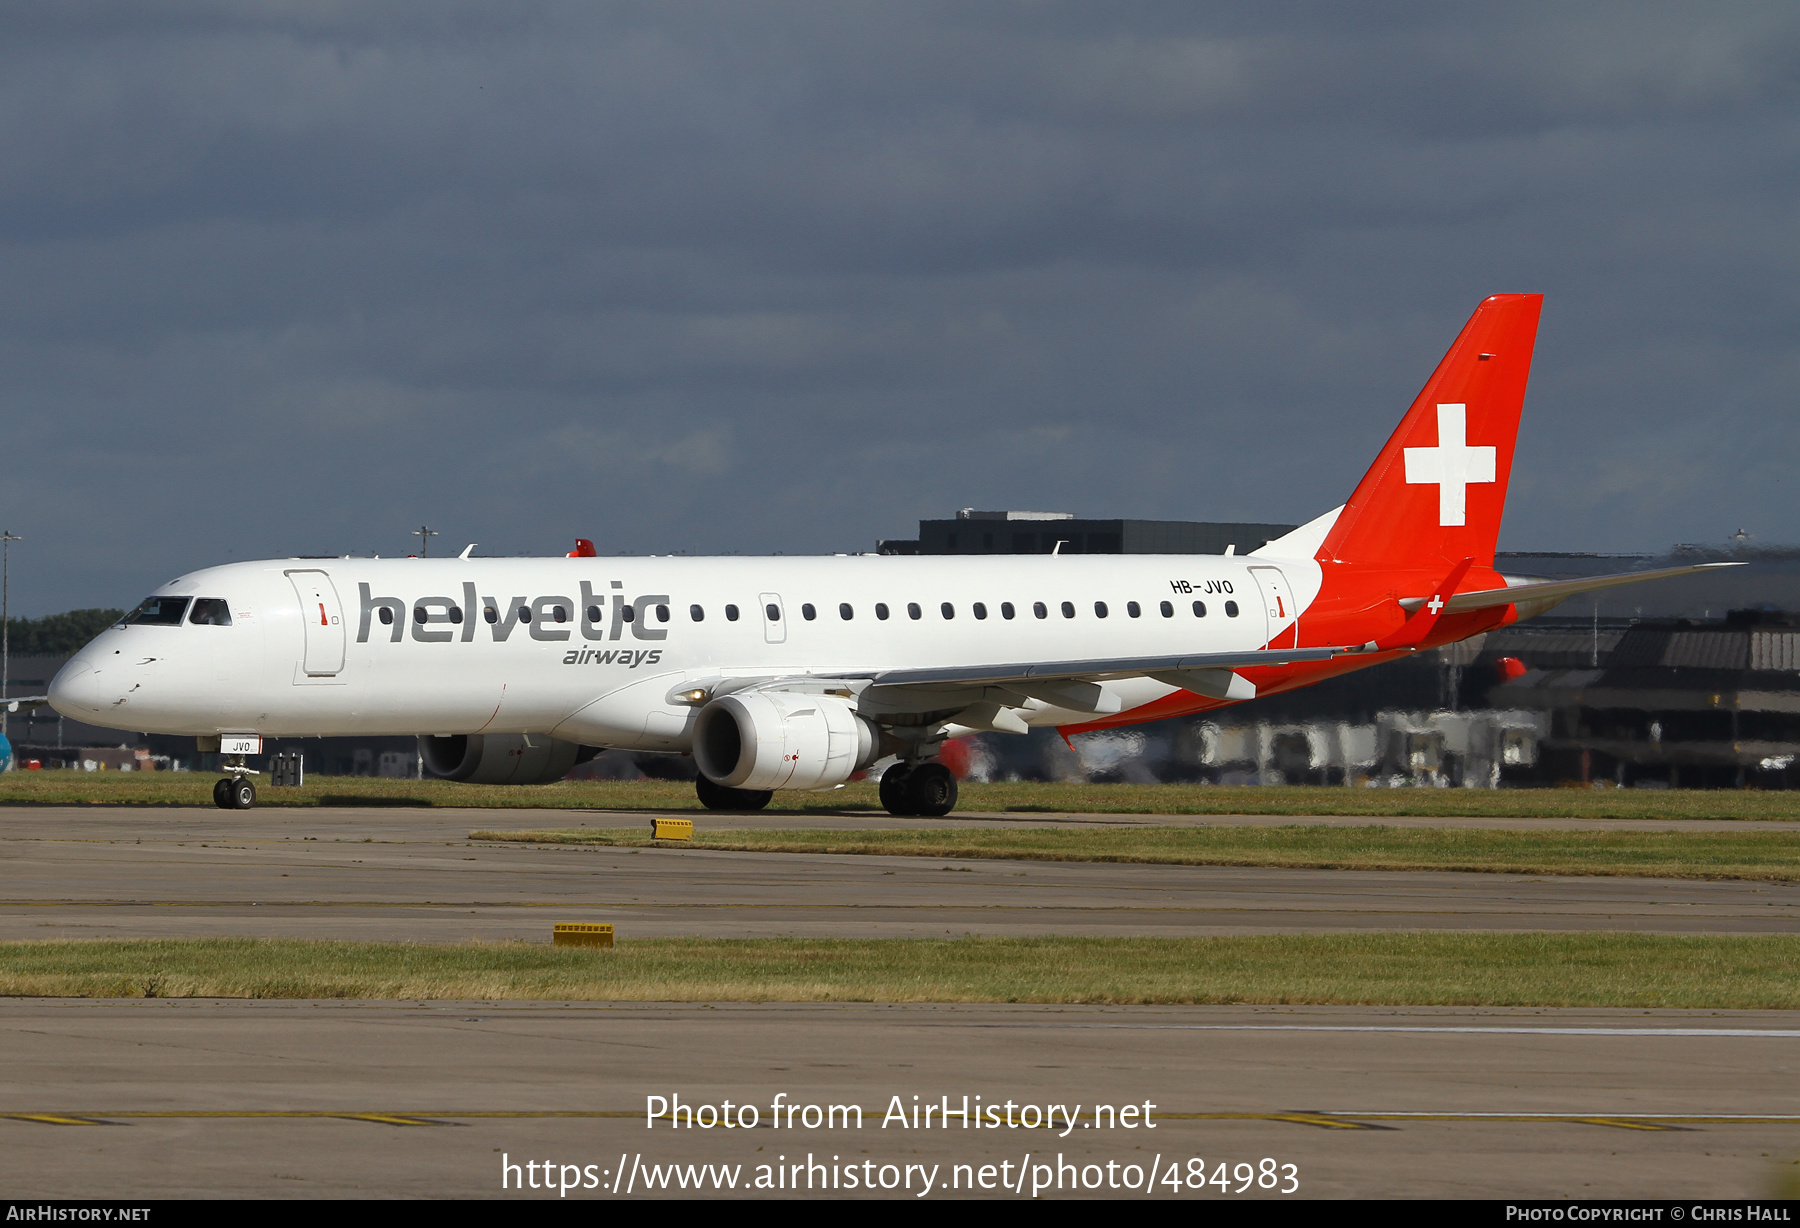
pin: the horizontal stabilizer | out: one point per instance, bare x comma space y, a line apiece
1552, 591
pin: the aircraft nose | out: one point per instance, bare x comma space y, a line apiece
76, 690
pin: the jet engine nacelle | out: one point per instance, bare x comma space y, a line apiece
782, 740
502, 758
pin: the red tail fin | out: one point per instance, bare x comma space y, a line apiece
1435, 494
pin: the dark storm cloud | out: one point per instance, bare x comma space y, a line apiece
718, 277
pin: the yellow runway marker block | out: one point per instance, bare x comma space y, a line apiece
581, 934
671, 829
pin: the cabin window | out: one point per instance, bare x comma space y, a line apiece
419, 614
561, 613
881, 610
1040, 609
808, 611
593, 614
979, 609
772, 612
731, 613
1099, 609
662, 613
1168, 610
696, 613
1134, 609
455, 614
627, 611
525, 613
159, 612
493, 615
216, 612
913, 611
1199, 609
1231, 609
387, 616
1068, 609
1006, 609
845, 612
948, 611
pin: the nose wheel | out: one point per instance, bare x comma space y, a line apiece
235, 792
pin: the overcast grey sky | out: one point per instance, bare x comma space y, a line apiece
293, 278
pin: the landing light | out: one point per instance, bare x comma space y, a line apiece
695, 696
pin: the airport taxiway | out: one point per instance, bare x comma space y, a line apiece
136, 1098
371, 873
368, 1099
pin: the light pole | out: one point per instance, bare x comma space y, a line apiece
6, 540
424, 533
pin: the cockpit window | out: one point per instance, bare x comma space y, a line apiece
211, 612
159, 612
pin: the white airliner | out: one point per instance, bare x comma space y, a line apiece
795, 673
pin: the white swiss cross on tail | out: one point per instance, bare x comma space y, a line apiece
1451, 466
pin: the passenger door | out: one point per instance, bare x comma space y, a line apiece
323, 617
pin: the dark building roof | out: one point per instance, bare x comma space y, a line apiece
1752, 658
975, 532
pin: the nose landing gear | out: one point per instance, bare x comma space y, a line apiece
235, 792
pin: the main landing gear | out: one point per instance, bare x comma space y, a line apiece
924, 789
235, 792
722, 797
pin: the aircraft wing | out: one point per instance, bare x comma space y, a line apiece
1556, 590
1076, 684
1099, 667
26, 703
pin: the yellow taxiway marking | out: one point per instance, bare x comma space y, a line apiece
1322, 1119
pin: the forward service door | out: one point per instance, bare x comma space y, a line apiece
322, 615
1282, 619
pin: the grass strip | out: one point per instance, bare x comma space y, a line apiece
1020, 797
1622, 970
1755, 854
